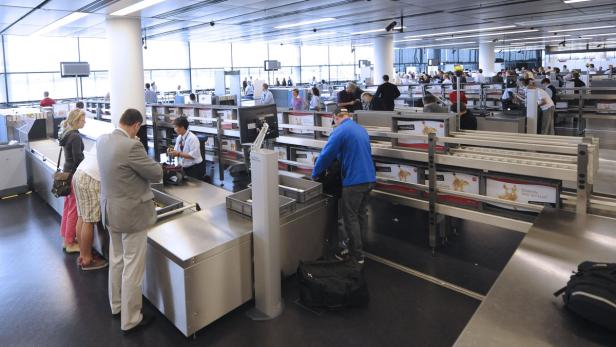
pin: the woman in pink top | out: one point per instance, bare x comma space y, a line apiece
297, 102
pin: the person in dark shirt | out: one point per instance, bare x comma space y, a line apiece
371, 102
577, 82
467, 118
498, 78
348, 98
387, 92
549, 88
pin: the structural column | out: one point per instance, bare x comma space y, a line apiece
126, 70
383, 58
486, 58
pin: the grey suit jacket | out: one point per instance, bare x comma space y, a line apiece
126, 172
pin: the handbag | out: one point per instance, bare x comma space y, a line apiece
61, 181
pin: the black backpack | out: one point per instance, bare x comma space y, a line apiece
591, 293
332, 284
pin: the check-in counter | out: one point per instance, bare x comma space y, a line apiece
502, 123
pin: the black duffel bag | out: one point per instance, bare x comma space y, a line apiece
332, 284
591, 293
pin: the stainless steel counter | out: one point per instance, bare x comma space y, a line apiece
520, 309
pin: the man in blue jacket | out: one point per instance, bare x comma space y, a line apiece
350, 144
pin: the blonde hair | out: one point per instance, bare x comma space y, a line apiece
72, 119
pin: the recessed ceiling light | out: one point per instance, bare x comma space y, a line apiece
324, 33
461, 31
61, 22
136, 7
533, 38
574, 1
444, 44
581, 29
591, 36
308, 22
487, 34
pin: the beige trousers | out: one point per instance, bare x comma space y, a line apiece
126, 269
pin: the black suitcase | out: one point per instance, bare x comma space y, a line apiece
332, 284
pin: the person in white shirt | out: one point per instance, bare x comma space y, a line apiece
187, 150
547, 109
479, 76
446, 79
315, 100
250, 90
87, 188
267, 97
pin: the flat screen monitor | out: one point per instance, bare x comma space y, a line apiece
74, 69
271, 65
251, 120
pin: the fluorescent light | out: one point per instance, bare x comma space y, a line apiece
324, 33
591, 36
560, 20
489, 34
581, 29
533, 38
298, 24
61, 22
374, 31
136, 7
461, 31
574, 1
444, 44
405, 40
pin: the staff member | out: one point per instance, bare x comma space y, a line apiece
348, 99
187, 149
266, 97
387, 92
128, 211
350, 143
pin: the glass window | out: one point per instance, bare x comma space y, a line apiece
341, 55
30, 86
342, 73
1, 57
2, 89
210, 55
366, 53
320, 72
168, 80
93, 50
287, 55
96, 85
314, 55
203, 78
166, 55
249, 54
37, 54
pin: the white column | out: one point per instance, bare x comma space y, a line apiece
126, 70
486, 58
531, 111
383, 58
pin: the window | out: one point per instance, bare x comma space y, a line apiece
166, 55
249, 54
38, 54
210, 55
94, 51
96, 85
30, 86
2, 88
168, 80
314, 55
341, 55
287, 55
320, 72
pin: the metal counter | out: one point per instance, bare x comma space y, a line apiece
520, 309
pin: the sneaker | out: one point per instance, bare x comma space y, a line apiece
95, 264
342, 254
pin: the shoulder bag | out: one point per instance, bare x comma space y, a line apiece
61, 180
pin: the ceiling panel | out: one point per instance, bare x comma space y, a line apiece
23, 3
66, 5
9, 14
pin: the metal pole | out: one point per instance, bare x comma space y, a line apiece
6, 83
266, 235
583, 187
432, 191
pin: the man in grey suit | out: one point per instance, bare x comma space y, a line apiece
431, 106
127, 212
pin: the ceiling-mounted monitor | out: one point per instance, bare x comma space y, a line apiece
74, 69
271, 65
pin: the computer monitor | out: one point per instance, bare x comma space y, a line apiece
251, 119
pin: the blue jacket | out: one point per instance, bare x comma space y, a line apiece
350, 144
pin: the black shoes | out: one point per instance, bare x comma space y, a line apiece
145, 321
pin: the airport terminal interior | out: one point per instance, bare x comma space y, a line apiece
308, 173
